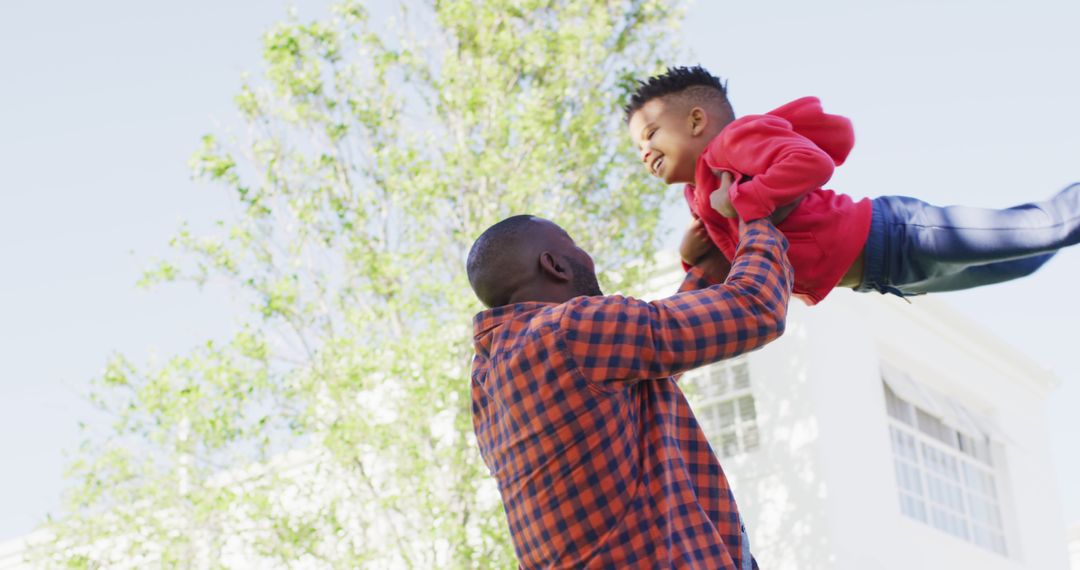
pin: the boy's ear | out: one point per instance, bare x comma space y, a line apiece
553, 267
698, 119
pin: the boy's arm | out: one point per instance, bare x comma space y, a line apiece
614, 339
781, 166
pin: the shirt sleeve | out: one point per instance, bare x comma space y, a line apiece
781, 164
614, 339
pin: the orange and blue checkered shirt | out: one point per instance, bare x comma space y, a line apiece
598, 457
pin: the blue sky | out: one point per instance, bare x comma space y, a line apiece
102, 103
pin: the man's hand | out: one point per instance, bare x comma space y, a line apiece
719, 199
698, 249
715, 265
695, 242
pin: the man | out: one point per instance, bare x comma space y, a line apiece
599, 459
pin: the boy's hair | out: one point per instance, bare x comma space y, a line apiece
695, 84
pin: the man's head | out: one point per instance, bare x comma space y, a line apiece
525, 258
673, 116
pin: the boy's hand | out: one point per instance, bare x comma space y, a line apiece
720, 200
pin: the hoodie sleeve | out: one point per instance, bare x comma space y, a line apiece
776, 164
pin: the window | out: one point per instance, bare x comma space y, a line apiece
724, 406
945, 476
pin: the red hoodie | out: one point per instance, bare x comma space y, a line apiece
777, 158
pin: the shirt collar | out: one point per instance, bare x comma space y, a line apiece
485, 322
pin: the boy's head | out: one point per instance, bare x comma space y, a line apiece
673, 116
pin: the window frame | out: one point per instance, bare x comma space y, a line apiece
727, 383
945, 478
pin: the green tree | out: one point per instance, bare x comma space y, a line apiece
334, 429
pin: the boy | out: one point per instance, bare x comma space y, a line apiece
774, 165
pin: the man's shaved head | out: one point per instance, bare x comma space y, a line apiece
525, 258
496, 259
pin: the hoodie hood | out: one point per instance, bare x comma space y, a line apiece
831, 133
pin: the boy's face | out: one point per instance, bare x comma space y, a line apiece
670, 137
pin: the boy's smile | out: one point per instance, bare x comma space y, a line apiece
669, 138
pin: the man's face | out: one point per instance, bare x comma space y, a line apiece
665, 135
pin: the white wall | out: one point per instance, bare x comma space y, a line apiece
821, 493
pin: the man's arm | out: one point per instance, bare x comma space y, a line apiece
623, 339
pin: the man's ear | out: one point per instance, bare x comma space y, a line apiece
698, 120
553, 267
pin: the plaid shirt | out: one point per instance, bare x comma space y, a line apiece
599, 459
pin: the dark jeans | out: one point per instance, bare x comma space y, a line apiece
917, 248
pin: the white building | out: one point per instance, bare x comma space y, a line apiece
882, 434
